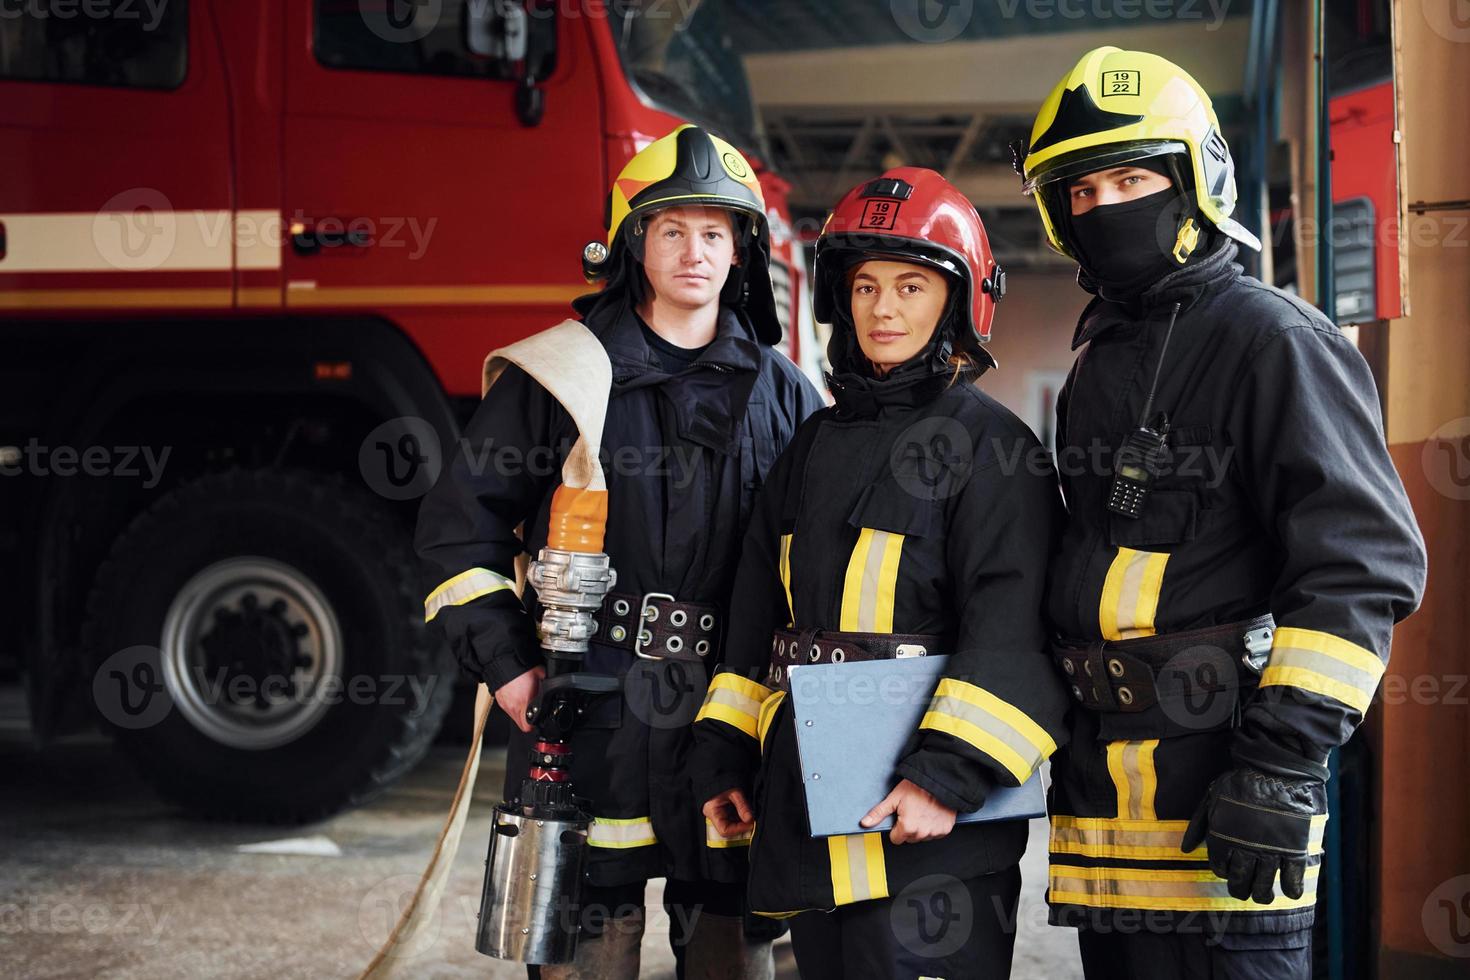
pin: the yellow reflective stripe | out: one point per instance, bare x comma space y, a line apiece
768, 716
1130, 595
1135, 780
869, 585
1150, 778
786, 578
620, 833
735, 700
712, 837
464, 587
1140, 840
995, 727
1146, 888
858, 872
1121, 785
1323, 664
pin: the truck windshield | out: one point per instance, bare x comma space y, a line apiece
681, 58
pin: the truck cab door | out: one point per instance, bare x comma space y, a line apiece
414, 191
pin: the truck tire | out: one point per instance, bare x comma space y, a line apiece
278, 617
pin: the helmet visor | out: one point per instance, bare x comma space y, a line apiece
1099, 158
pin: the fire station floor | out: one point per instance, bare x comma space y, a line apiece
98, 879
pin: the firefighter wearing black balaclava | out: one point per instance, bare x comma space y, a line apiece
701, 405
915, 517
1238, 548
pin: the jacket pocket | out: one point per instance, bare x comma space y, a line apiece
886, 506
1169, 517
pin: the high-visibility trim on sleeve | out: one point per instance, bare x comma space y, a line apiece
858, 870
1172, 889
464, 587
712, 836
995, 727
1108, 839
1323, 664
621, 833
735, 701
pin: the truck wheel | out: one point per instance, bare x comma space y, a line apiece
278, 615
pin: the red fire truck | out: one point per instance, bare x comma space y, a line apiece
252, 255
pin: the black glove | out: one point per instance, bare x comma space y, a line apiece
1256, 819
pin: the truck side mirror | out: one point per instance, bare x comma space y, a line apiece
501, 30
496, 30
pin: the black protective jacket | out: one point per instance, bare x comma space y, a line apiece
904, 509
685, 456
1278, 497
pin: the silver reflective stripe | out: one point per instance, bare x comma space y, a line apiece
464, 587
611, 832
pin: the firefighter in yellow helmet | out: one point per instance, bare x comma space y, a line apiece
1227, 583
701, 404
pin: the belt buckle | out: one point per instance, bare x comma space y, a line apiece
1257, 648
645, 635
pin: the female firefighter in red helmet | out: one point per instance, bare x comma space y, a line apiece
898, 517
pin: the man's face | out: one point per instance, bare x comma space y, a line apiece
687, 254
1114, 186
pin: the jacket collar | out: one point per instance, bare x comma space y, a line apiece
1185, 287
634, 362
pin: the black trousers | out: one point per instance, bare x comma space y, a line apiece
941, 926
1194, 956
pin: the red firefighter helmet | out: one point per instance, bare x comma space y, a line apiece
914, 215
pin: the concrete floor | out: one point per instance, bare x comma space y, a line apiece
100, 880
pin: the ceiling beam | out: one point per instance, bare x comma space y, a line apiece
1005, 76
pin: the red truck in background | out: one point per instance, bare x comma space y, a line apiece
1365, 204
252, 256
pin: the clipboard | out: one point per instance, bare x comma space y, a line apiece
852, 722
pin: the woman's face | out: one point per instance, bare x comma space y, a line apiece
895, 308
